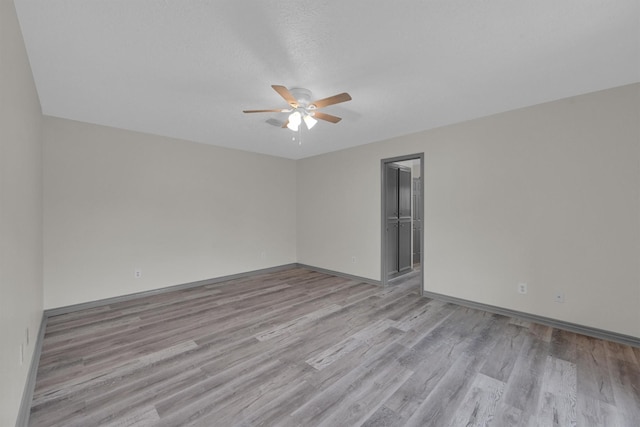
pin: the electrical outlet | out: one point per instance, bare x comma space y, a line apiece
522, 288
137, 273
354, 259
559, 297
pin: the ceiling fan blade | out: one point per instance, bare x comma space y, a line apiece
274, 122
335, 99
284, 92
276, 110
325, 116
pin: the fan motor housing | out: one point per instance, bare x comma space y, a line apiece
303, 96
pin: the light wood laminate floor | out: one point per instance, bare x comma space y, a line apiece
301, 348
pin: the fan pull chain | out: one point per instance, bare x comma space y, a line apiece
293, 138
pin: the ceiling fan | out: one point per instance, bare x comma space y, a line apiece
302, 108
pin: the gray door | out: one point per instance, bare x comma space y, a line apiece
417, 219
404, 208
398, 216
392, 215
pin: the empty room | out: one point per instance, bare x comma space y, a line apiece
296, 213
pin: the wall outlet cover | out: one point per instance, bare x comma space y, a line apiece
522, 288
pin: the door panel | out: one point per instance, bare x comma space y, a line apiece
416, 241
404, 193
404, 246
392, 192
392, 247
417, 219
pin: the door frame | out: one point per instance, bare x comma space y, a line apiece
384, 274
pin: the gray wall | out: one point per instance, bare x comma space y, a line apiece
548, 195
20, 213
118, 200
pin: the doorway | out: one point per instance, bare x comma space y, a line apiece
402, 232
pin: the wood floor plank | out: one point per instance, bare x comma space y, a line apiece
594, 379
299, 347
416, 318
626, 387
383, 417
433, 358
501, 360
557, 403
479, 406
141, 417
251, 394
364, 399
329, 375
524, 384
201, 398
340, 349
327, 402
440, 406
593, 412
277, 409
300, 322
77, 385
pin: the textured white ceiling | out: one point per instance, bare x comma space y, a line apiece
187, 68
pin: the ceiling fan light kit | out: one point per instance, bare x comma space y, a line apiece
302, 108
295, 119
309, 121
